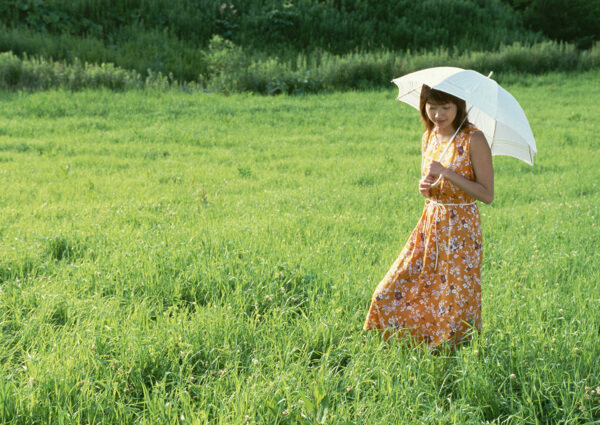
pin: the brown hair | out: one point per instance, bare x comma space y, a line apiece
436, 97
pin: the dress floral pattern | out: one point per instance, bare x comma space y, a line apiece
432, 292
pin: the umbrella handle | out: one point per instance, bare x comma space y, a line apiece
437, 182
439, 179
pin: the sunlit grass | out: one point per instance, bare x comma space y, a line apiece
177, 258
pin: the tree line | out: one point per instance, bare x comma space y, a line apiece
276, 46
335, 26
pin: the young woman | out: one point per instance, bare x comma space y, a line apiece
432, 292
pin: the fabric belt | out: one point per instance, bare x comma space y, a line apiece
440, 208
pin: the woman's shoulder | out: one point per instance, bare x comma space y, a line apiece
469, 131
469, 128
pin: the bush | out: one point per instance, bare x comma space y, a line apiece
590, 59
141, 50
226, 66
230, 69
274, 26
40, 73
276, 46
574, 21
537, 59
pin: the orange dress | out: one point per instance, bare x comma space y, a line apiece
433, 290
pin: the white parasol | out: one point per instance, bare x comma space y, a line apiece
491, 108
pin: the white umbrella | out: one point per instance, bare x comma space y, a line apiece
492, 109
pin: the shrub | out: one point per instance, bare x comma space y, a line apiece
280, 25
574, 21
40, 73
10, 70
230, 69
226, 66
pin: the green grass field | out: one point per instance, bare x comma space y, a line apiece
185, 258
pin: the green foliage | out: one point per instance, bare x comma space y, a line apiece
38, 73
301, 46
168, 257
61, 248
275, 26
144, 51
226, 66
45, 16
229, 69
574, 21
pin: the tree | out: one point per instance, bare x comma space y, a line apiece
575, 21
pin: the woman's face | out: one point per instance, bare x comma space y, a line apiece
442, 116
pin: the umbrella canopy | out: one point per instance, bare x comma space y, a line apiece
491, 108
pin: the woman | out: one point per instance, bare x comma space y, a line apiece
433, 292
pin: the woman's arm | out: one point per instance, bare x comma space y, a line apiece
482, 188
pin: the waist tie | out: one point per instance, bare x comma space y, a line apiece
439, 208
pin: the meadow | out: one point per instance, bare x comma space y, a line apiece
172, 257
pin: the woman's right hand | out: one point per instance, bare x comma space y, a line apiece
425, 185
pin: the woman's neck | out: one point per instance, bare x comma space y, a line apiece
445, 133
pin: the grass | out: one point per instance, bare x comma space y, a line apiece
188, 258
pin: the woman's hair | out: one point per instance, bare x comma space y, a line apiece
436, 97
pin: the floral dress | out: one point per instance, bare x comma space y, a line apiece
433, 290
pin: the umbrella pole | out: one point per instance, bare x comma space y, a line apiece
439, 180
454, 135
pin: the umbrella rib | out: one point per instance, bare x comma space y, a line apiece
530, 155
493, 134
407, 93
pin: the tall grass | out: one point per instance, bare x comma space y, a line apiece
142, 51
227, 68
172, 257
